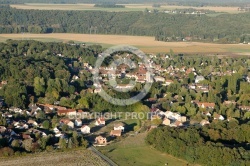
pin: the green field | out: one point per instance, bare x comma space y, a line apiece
133, 151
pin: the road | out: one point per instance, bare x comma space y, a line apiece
110, 162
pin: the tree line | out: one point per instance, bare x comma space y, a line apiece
220, 143
225, 28
170, 2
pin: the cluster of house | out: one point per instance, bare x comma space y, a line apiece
195, 12
12, 135
169, 118
116, 132
184, 12
141, 75
174, 119
33, 126
157, 74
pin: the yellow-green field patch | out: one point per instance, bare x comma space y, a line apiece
128, 7
133, 151
145, 43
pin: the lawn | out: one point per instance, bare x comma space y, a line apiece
133, 151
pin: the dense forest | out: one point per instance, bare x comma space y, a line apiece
220, 143
172, 2
225, 28
109, 5
35, 73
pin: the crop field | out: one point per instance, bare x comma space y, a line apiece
133, 151
145, 43
68, 158
128, 7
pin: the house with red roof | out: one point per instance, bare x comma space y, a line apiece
100, 122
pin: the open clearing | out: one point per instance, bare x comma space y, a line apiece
133, 151
128, 7
145, 43
68, 158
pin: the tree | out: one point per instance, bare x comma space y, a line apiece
46, 124
15, 144
43, 142
27, 145
171, 52
40, 115
62, 143
2, 121
64, 127
156, 122
39, 86
83, 142
83, 103
54, 121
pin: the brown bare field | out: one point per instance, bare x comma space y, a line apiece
128, 7
145, 43
71, 158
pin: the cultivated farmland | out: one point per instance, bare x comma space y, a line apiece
128, 7
69, 158
145, 43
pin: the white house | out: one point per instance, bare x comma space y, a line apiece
172, 116
168, 82
207, 113
219, 117
204, 122
59, 134
166, 122
85, 129
67, 122
97, 90
199, 78
182, 118
168, 114
32, 122
78, 122
100, 122
248, 79
55, 130
159, 79
119, 126
121, 86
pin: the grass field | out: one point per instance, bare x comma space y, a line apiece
69, 158
146, 44
134, 151
128, 7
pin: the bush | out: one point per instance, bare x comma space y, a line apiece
49, 148
6, 151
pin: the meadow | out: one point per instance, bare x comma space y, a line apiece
128, 7
133, 151
145, 43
